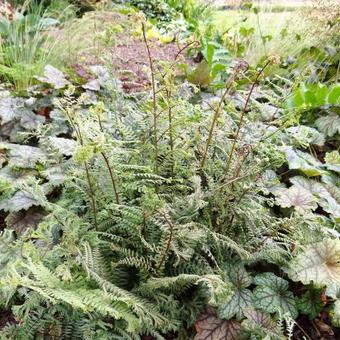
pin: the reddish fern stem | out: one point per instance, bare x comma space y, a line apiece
87, 172
114, 186
106, 160
171, 231
154, 103
227, 168
217, 112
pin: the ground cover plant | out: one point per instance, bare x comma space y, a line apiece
164, 178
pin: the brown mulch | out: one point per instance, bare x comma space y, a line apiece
131, 61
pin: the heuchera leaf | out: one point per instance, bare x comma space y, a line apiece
272, 295
314, 187
53, 77
23, 220
333, 290
304, 135
318, 263
298, 160
296, 197
310, 303
209, 327
332, 160
329, 125
23, 156
63, 145
242, 297
323, 196
21, 200
261, 320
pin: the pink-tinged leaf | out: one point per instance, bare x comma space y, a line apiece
209, 327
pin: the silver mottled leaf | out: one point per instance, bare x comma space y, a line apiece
53, 77
296, 197
65, 146
31, 121
319, 262
21, 200
329, 125
23, 156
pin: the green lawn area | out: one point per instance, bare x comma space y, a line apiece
276, 29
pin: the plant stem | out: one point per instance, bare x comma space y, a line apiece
227, 168
217, 112
92, 196
171, 137
88, 177
171, 230
106, 160
114, 186
154, 104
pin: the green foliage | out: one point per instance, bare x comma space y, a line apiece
310, 303
155, 9
24, 48
172, 210
318, 263
272, 295
310, 96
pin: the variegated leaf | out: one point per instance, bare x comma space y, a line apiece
209, 327
318, 263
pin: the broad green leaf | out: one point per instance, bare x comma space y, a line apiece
329, 125
201, 74
310, 303
296, 197
309, 96
209, 327
318, 263
272, 295
209, 53
334, 95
